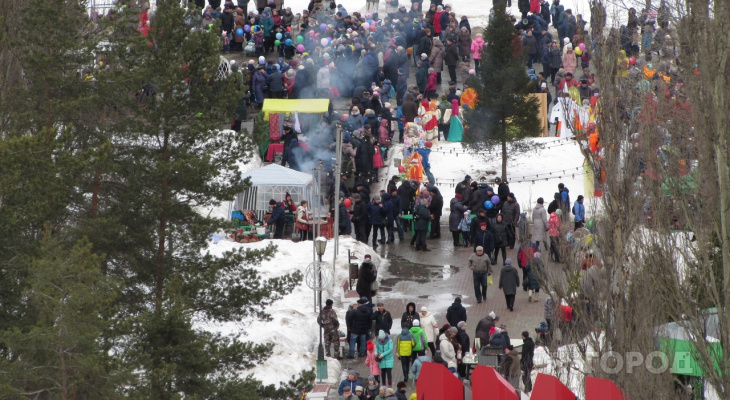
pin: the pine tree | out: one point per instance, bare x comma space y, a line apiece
505, 115
61, 355
167, 160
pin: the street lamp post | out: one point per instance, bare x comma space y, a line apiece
320, 245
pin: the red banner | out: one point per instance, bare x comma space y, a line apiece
435, 382
603, 389
487, 384
548, 387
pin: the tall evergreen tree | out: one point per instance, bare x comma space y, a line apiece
505, 115
167, 160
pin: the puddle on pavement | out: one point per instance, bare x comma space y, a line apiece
404, 270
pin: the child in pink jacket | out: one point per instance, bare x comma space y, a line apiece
476, 50
371, 362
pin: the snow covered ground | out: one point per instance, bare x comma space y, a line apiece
532, 175
293, 327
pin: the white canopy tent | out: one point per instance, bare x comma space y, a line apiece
273, 182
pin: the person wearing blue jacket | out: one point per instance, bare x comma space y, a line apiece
278, 218
564, 199
425, 152
352, 382
376, 218
579, 210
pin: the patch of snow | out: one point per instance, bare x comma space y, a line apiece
293, 328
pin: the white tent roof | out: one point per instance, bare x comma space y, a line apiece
276, 175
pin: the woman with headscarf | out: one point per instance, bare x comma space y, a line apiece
456, 125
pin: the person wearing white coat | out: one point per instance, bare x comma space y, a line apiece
429, 326
539, 224
448, 354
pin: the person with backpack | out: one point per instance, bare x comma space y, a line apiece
579, 211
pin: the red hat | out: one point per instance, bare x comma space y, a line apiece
367, 256
482, 224
458, 196
428, 144
370, 346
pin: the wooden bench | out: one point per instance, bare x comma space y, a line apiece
348, 294
320, 391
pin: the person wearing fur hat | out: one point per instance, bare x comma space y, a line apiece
509, 281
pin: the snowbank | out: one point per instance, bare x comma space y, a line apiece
530, 176
293, 327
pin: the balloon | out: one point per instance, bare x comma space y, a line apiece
488, 205
256, 28
347, 202
365, 25
288, 28
323, 27
582, 46
578, 52
559, 211
632, 60
495, 199
247, 28
239, 32
277, 42
279, 36
370, 21
300, 48
288, 42
590, 224
323, 42
410, 50
210, 26
401, 169
300, 39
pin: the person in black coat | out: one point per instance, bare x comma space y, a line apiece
360, 218
528, 352
509, 281
502, 189
393, 183
499, 232
409, 316
360, 321
365, 277
407, 194
554, 205
484, 238
456, 312
345, 226
383, 319
436, 209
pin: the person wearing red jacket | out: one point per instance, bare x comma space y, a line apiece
431, 84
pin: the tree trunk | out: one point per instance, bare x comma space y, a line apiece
162, 228
504, 158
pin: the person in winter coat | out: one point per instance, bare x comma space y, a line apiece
529, 44
422, 73
524, 7
554, 232
329, 323
392, 210
528, 352
360, 218
477, 45
464, 44
372, 390
499, 232
436, 207
407, 194
419, 338
532, 270
259, 81
418, 363
456, 312
303, 216
373, 365
510, 367
559, 18
451, 58
421, 224
570, 24
383, 319
350, 382
376, 218
570, 63
579, 210
539, 224
509, 280
511, 216
437, 58
366, 275
431, 84
464, 345
481, 268
430, 328
385, 357
404, 348
278, 218
484, 327
276, 83
446, 346
483, 238
409, 315
456, 212
345, 227
555, 204
360, 322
